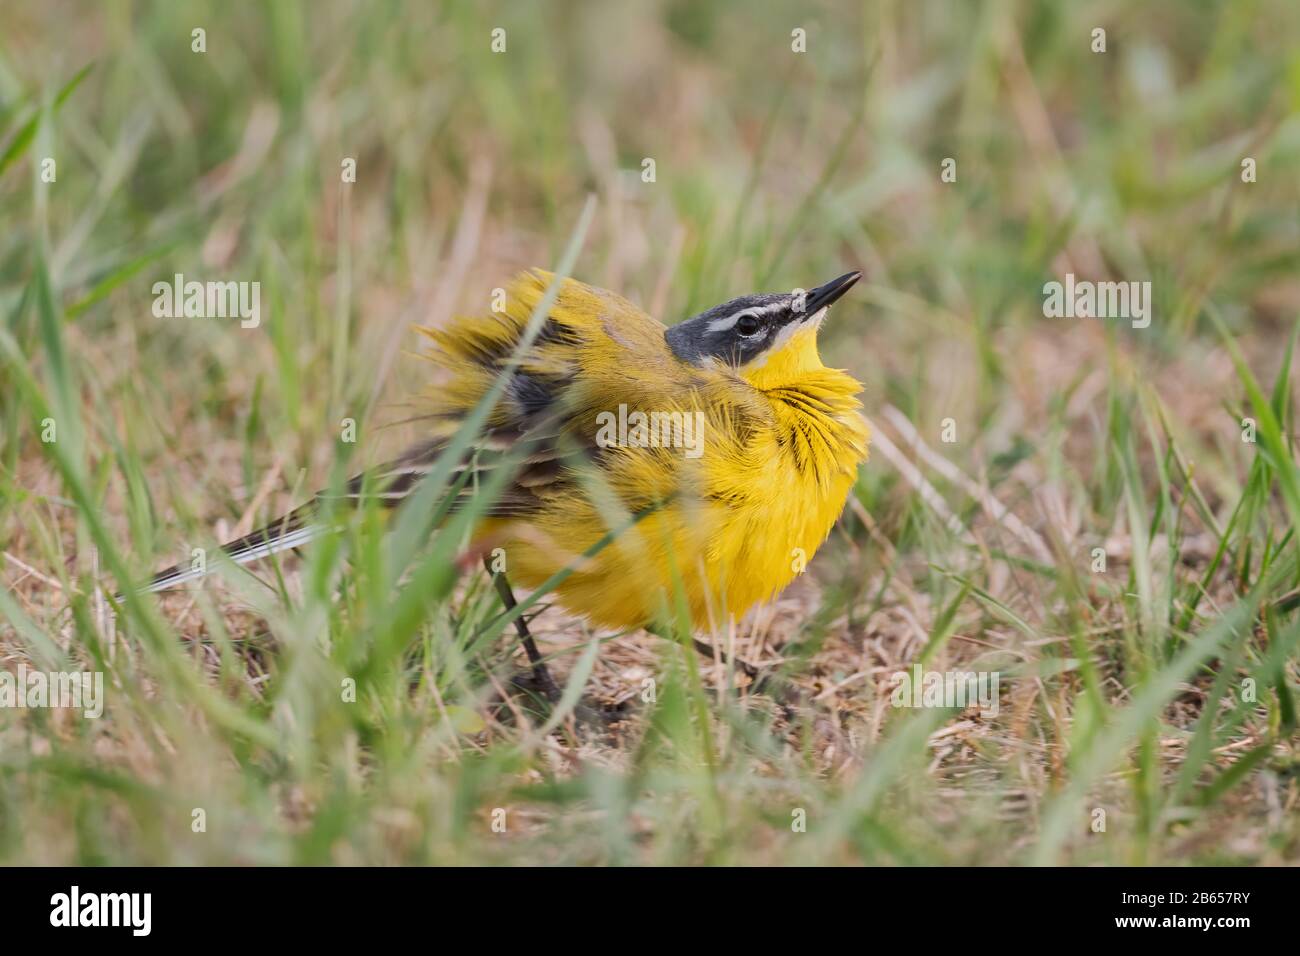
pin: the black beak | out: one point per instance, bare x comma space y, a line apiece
822, 296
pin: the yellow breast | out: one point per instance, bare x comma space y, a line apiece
743, 520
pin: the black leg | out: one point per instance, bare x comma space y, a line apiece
768, 683
749, 670
540, 672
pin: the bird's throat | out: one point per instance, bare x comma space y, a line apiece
787, 363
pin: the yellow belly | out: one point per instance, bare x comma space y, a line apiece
721, 559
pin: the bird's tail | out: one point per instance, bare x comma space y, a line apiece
388, 484
283, 534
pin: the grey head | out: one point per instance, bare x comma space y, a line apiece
743, 330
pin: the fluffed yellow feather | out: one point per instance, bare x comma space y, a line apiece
781, 447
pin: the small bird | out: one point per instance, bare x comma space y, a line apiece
725, 434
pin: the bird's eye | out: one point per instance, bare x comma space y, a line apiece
748, 325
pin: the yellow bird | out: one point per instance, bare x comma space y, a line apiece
725, 433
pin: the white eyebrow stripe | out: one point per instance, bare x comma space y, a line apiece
727, 321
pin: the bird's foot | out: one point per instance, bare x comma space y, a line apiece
540, 689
